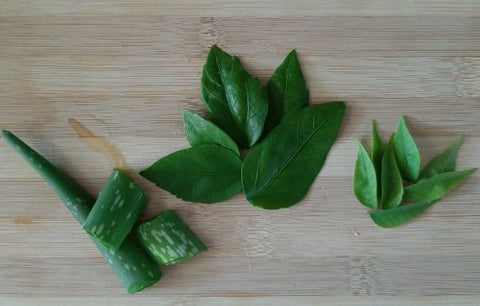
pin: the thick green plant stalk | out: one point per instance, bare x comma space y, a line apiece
168, 239
117, 207
133, 267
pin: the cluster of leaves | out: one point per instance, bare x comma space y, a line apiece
286, 141
390, 182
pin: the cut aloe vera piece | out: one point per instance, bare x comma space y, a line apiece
115, 211
133, 267
168, 239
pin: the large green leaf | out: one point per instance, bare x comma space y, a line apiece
392, 185
237, 101
444, 162
279, 171
398, 215
287, 91
201, 131
364, 179
436, 187
378, 148
205, 174
408, 156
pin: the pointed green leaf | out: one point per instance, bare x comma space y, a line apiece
204, 174
237, 101
201, 131
406, 151
287, 91
392, 185
378, 148
444, 162
436, 187
398, 215
365, 180
279, 171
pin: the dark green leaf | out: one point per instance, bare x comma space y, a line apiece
365, 180
279, 171
398, 215
392, 185
205, 174
200, 132
406, 151
287, 91
378, 148
436, 187
444, 162
237, 101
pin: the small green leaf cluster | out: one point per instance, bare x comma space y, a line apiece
285, 141
390, 182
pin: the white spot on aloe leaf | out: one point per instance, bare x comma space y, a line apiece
110, 261
150, 273
143, 265
121, 203
112, 252
100, 229
113, 223
127, 267
129, 215
131, 185
134, 268
117, 191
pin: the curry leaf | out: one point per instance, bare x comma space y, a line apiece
365, 180
378, 148
444, 162
398, 215
205, 174
436, 187
236, 100
287, 91
406, 151
201, 131
392, 185
279, 171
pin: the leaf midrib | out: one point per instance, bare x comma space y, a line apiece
272, 179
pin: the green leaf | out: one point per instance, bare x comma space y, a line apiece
398, 215
378, 148
392, 185
406, 151
436, 187
200, 132
444, 162
204, 174
364, 179
279, 171
237, 101
287, 91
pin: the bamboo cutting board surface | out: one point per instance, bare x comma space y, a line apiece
93, 85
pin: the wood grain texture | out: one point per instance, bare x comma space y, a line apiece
126, 69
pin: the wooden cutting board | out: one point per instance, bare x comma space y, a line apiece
89, 84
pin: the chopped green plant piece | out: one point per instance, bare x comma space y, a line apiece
444, 162
436, 187
133, 267
392, 185
287, 91
279, 171
406, 151
365, 180
202, 132
117, 207
168, 239
204, 174
378, 148
236, 100
398, 215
